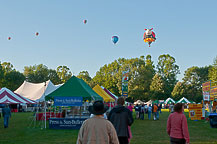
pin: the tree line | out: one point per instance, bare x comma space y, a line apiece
146, 80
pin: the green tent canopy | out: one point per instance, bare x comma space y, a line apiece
155, 102
75, 87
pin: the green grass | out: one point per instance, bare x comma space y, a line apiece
144, 132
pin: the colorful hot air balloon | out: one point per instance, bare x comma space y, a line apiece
9, 38
149, 36
85, 21
36, 33
115, 39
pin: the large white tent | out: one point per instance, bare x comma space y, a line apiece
36, 91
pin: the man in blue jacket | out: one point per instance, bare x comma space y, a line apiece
121, 118
6, 112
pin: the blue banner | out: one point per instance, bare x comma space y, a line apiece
68, 101
66, 123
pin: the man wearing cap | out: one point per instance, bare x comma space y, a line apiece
97, 130
121, 118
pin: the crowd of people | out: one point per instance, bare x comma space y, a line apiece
115, 128
143, 109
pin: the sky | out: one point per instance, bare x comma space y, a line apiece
186, 30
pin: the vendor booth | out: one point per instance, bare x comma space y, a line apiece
71, 96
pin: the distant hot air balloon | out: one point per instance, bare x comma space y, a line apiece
85, 21
36, 33
149, 36
115, 39
9, 38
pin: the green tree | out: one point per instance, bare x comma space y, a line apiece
168, 70
108, 76
53, 76
179, 91
64, 73
84, 75
13, 79
213, 72
141, 71
193, 79
1, 75
142, 78
7, 66
37, 73
157, 88
9, 77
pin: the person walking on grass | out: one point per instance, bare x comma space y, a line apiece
137, 111
177, 127
155, 108
97, 130
149, 111
130, 107
6, 112
142, 111
122, 119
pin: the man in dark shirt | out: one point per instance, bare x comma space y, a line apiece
121, 118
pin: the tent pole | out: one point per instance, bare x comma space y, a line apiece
80, 111
55, 111
45, 118
45, 106
110, 106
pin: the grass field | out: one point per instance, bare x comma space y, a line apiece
144, 132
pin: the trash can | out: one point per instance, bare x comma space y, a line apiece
213, 120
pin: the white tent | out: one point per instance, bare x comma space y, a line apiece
148, 102
169, 101
183, 100
36, 91
138, 102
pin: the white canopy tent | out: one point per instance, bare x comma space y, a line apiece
169, 101
138, 102
183, 100
148, 102
36, 91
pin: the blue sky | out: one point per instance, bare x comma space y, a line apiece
187, 30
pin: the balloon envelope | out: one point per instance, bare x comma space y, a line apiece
9, 38
115, 39
36, 33
85, 21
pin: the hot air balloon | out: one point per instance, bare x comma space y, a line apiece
36, 33
85, 21
149, 36
115, 39
9, 38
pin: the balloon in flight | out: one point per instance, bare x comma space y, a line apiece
115, 39
149, 36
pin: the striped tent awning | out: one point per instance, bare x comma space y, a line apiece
110, 93
9, 97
